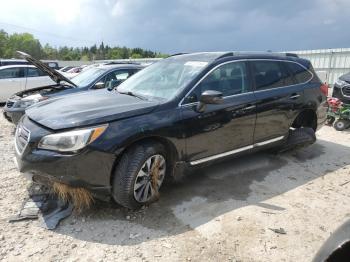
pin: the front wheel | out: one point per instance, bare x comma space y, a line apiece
139, 175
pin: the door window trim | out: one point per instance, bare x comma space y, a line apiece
249, 73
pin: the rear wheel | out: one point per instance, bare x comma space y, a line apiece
341, 124
139, 175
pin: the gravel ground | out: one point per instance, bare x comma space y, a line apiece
220, 213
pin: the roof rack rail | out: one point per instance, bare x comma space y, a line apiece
121, 63
291, 54
225, 55
177, 54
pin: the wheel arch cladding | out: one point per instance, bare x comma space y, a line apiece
172, 153
306, 118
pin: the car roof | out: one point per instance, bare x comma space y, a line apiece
213, 56
121, 66
12, 66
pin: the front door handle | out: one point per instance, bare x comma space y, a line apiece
294, 96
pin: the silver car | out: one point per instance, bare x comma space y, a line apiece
16, 78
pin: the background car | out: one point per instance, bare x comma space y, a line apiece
5, 62
96, 77
341, 88
16, 78
65, 69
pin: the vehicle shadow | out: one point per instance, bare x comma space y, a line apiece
208, 193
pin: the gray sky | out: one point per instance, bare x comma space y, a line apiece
183, 25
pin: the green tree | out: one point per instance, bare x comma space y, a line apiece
26, 42
23, 42
3, 42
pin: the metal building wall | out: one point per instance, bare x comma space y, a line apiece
335, 62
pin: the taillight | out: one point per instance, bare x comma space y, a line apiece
324, 89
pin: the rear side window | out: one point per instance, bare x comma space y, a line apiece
35, 72
271, 74
14, 72
301, 74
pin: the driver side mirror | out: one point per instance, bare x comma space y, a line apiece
209, 97
99, 85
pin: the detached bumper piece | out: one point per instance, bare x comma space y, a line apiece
299, 138
43, 206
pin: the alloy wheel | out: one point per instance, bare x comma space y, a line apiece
149, 178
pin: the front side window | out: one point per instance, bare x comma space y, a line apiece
164, 79
229, 79
88, 76
14, 72
116, 77
270, 74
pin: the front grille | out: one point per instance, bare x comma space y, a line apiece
346, 91
22, 138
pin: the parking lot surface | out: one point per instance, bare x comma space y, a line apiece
226, 212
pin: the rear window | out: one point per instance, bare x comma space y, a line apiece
271, 74
301, 74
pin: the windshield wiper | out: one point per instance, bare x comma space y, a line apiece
130, 93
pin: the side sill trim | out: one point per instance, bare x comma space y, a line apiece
269, 141
235, 151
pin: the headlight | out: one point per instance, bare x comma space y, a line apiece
341, 83
24, 103
71, 141
30, 100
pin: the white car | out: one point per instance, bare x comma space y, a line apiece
16, 78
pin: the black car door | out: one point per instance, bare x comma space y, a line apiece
278, 99
221, 129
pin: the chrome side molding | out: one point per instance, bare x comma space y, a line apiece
235, 151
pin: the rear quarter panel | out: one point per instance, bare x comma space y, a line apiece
317, 101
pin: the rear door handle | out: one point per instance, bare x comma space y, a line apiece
294, 96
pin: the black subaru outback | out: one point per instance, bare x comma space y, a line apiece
180, 112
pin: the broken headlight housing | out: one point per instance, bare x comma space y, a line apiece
29, 100
71, 141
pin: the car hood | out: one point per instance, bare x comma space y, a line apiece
345, 77
55, 76
87, 108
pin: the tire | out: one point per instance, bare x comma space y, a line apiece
299, 138
135, 174
341, 124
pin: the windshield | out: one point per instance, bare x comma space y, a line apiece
163, 79
87, 77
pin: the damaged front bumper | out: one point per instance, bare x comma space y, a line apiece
13, 115
90, 169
